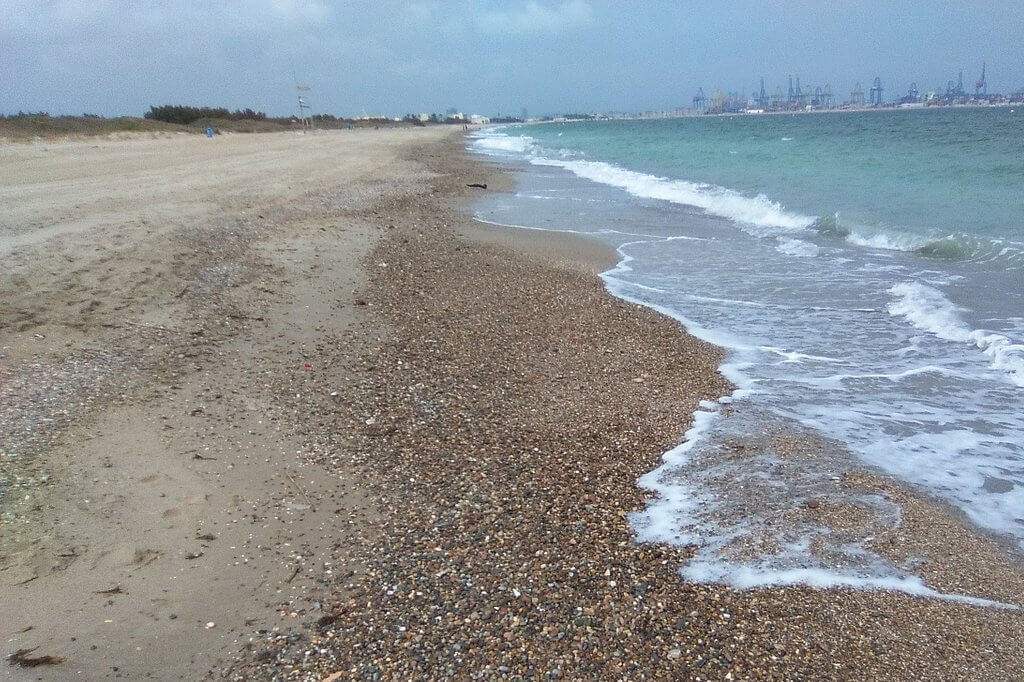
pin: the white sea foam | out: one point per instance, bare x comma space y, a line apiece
665, 516
500, 142
759, 216
549, 197
795, 356
746, 577
621, 288
914, 436
732, 370
876, 267
796, 247
759, 212
952, 246
837, 380
888, 242
928, 309
688, 514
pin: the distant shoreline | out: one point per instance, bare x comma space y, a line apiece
1010, 105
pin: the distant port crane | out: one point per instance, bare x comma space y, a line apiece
956, 90
857, 96
913, 95
699, 100
777, 98
955, 93
797, 98
875, 93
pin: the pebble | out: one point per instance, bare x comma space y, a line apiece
508, 430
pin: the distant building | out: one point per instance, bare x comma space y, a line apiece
477, 119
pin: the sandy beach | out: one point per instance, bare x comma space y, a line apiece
160, 297
275, 407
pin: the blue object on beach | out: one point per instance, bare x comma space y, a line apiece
209, 132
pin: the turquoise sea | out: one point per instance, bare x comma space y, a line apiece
864, 272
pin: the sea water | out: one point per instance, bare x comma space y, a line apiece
864, 273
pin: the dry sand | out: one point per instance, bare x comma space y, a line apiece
286, 386
159, 297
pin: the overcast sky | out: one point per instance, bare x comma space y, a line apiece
119, 57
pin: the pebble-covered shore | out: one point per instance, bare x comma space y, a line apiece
499, 424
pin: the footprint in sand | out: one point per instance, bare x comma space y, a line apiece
144, 557
125, 554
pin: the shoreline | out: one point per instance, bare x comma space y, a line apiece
834, 110
1005, 539
858, 476
509, 475
473, 407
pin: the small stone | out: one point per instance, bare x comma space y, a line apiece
211, 625
674, 653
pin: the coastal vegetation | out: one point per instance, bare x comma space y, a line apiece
176, 118
176, 113
28, 125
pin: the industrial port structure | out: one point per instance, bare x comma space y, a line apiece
821, 97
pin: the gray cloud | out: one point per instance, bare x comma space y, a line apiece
536, 18
488, 56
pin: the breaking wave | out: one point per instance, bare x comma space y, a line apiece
830, 226
951, 247
759, 212
929, 310
759, 215
796, 247
799, 348
520, 144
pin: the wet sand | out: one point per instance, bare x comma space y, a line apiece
369, 438
503, 423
